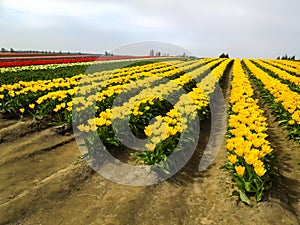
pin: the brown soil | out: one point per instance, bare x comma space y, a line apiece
41, 183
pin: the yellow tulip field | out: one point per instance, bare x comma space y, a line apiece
161, 100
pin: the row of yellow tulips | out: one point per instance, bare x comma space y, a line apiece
290, 63
282, 97
169, 71
187, 106
248, 150
285, 65
142, 106
279, 72
147, 95
290, 100
36, 92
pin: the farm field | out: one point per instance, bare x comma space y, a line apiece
254, 176
10, 61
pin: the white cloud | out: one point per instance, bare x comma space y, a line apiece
148, 22
76, 8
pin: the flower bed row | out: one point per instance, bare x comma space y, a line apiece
290, 63
38, 57
106, 96
250, 157
11, 75
284, 102
62, 60
23, 95
292, 81
146, 104
49, 66
287, 66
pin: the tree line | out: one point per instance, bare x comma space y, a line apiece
4, 50
287, 57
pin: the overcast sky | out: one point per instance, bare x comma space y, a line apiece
256, 28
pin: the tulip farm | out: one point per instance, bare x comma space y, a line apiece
44, 101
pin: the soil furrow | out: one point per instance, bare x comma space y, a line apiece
19, 175
55, 186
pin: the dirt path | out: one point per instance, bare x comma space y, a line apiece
40, 184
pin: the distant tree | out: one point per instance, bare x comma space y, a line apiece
223, 55
12, 50
158, 53
3, 50
151, 52
286, 57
